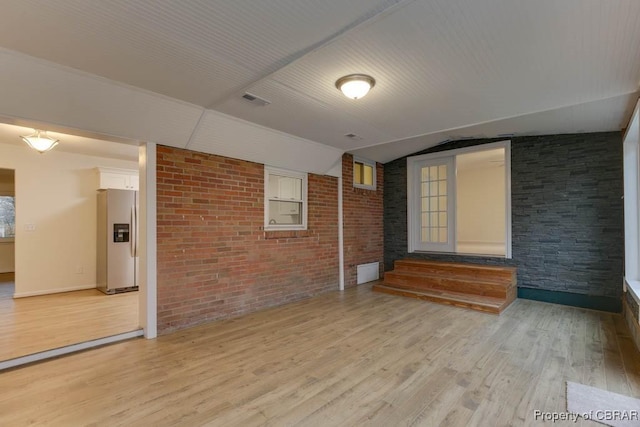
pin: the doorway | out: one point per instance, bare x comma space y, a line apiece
7, 232
49, 299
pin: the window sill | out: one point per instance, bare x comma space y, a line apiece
365, 187
7, 239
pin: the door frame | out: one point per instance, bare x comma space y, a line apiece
148, 306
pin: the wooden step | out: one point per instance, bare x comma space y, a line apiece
479, 287
443, 282
458, 270
474, 302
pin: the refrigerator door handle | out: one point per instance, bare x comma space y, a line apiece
134, 232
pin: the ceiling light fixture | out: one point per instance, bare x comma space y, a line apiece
355, 86
40, 141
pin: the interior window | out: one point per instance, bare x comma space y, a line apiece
285, 200
364, 174
459, 201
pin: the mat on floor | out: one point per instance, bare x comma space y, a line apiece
602, 406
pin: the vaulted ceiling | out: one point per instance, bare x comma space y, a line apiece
444, 69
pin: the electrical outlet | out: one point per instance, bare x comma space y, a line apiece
29, 227
79, 269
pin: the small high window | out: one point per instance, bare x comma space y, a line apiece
364, 174
285, 204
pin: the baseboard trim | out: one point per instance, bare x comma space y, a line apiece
612, 305
52, 291
61, 351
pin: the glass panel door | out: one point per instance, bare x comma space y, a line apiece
433, 212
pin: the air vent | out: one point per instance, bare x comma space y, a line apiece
353, 136
255, 99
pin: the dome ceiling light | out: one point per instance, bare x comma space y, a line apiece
355, 86
40, 141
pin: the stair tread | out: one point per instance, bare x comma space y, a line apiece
457, 296
456, 265
487, 281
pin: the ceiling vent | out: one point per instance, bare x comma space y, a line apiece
353, 136
256, 100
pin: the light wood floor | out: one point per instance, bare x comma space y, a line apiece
34, 324
7, 285
340, 359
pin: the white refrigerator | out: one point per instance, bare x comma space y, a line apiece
117, 254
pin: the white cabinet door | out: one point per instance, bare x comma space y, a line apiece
134, 182
290, 188
288, 208
120, 179
114, 180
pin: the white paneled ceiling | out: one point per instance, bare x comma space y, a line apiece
444, 69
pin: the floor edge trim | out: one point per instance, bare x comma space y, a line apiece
60, 351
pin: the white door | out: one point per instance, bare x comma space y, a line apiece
434, 192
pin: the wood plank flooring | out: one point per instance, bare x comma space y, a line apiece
34, 324
340, 359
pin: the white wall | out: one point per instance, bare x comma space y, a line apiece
481, 210
56, 193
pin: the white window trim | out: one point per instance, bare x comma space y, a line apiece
631, 164
292, 174
375, 173
412, 163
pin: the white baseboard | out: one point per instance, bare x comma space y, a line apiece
53, 291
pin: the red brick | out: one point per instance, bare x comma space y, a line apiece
214, 261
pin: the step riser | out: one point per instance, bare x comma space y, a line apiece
446, 284
454, 270
463, 304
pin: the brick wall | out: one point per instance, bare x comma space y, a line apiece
567, 217
214, 259
363, 227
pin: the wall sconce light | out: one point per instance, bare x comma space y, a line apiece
355, 86
40, 141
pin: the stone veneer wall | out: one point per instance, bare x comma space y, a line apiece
633, 307
567, 217
631, 315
